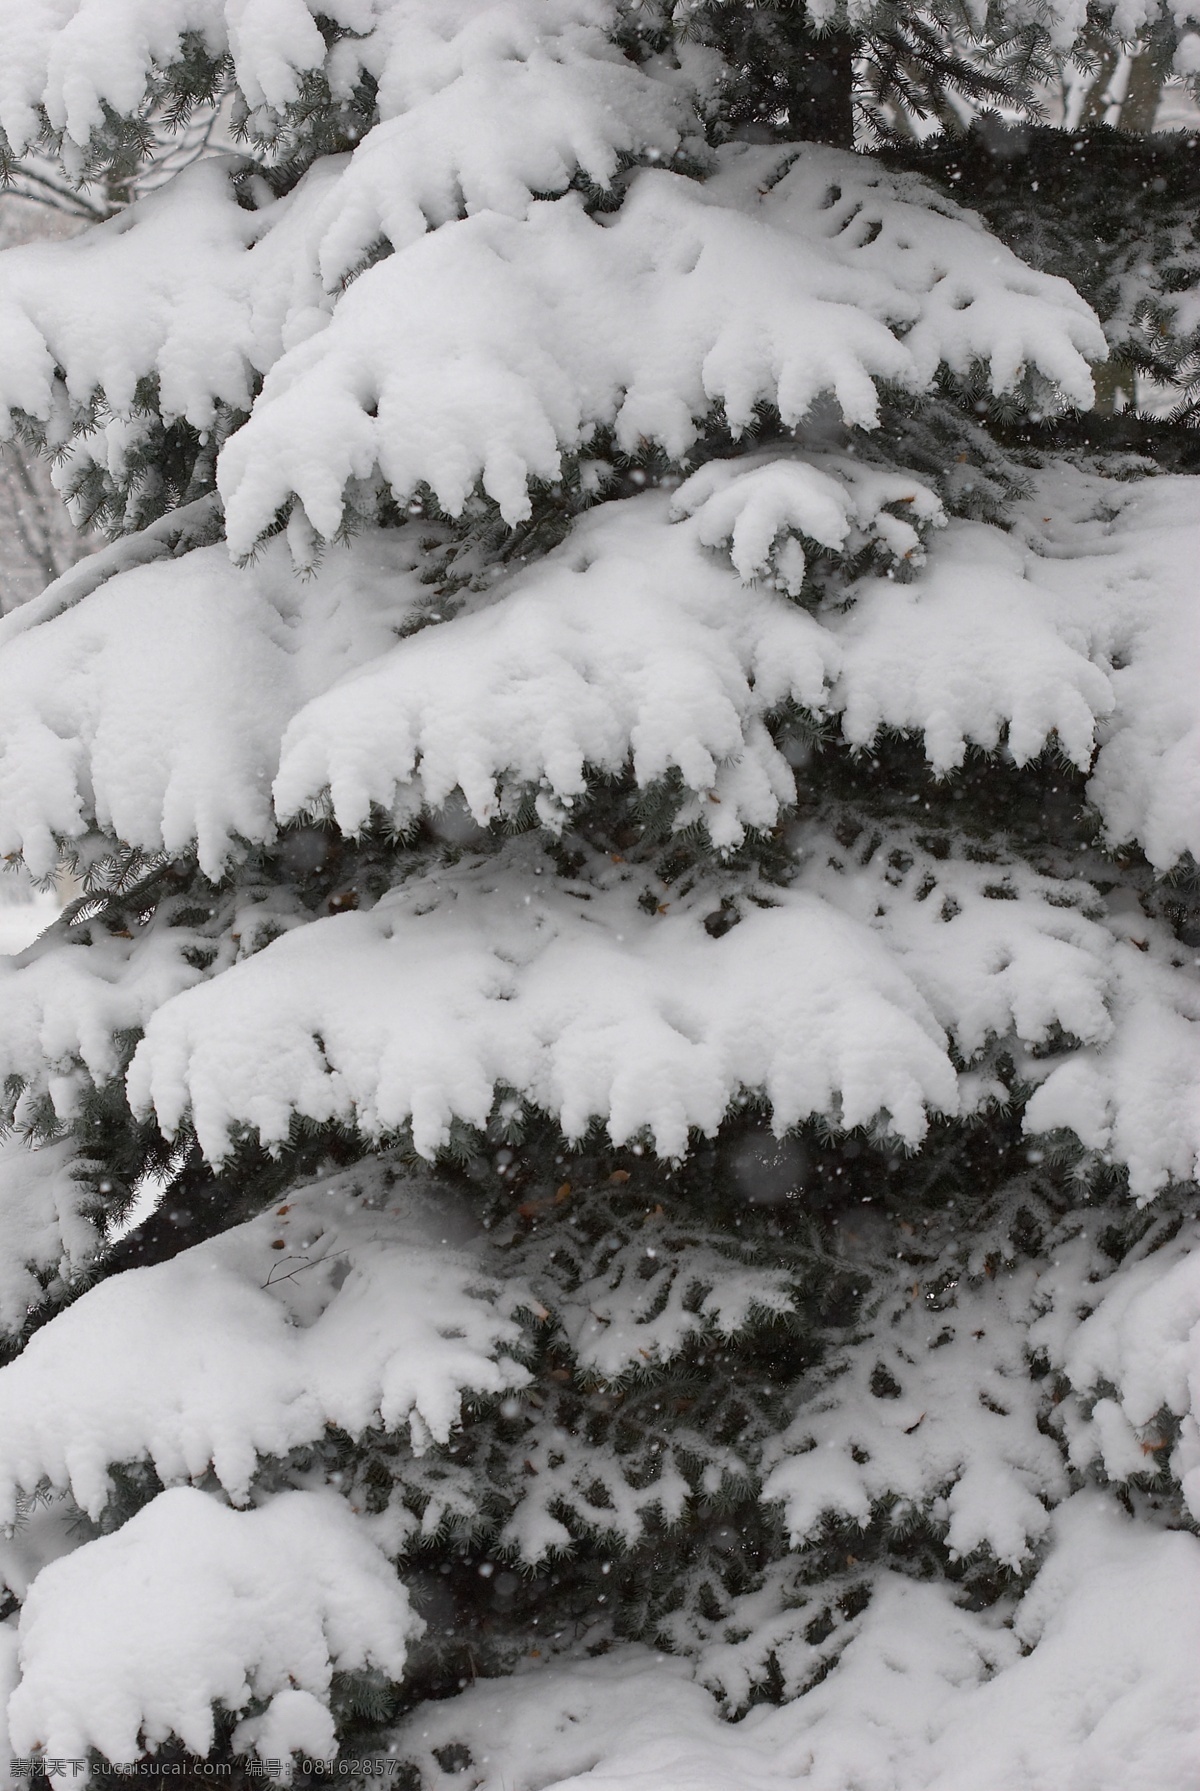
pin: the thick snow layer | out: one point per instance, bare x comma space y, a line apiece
627, 643
355, 1305
201, 294
1091, 1685
527, 98
167, 703
134, 1637
839, 1000
693, 297
63, 1011
1134, 1099
186, 288
999, 951
991, 663
1116, 562
835, 1000
763, 505
792, 273
75, 58
43, 1234
156, 705
914, 256
416, 1011
1133, 1364
67, 1000
539, 324
78, 59
191, 702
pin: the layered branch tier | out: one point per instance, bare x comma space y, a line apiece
540, 325
361, 1303
855, 996
192, 704
645, 324
221, 1366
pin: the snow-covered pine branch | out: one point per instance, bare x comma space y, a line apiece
637, 819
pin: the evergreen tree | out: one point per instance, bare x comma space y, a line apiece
633, 762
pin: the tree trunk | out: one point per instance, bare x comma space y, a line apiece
1151, 66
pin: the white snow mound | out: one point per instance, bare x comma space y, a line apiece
133, 1638
350, 1306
